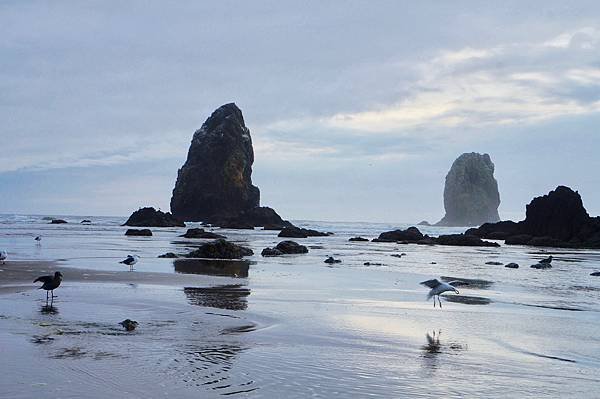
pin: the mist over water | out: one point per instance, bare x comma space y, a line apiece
294, 326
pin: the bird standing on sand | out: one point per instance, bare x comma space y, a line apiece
50, 283
437, 288
3, 256
38, 239
548, 260
130, 261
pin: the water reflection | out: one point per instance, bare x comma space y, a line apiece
230, 297
212, 267
49, 309
210, 366
434, 348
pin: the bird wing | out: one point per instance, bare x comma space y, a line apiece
43, 279
431, 283
457, 283
128, 260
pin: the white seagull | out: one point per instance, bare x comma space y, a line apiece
438, 287
3, 256
130, 261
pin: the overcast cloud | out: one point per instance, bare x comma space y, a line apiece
357, 109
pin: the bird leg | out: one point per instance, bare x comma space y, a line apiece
434, 301
440, 301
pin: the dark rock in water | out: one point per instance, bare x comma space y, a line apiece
169, 255
494, 263
426, 241
138, 232
464, 240
519, 239
129, 325
285, 248
410, 235
201, 233
220, 249
297, 232
236, 225
554, 220
58, 221
255, 217
423, 223
150, 217
471, 192
331, 260
215, 180
541, 266
397, 255
213, 267
512, 265
596, 274
358, 239
85, 221
433, 263
372, 264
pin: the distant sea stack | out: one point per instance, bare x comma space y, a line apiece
471, 195
216, 181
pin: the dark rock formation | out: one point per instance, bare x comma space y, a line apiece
471, 192
297, 232
201, 233
285, 248
358, 239
512, 265
331, 260
150, 217
541, 266
129, 325
215, 181
493, 263
220, 249
557, 219
255, 217
168, 255
410, 235
236, 225
58, 221
86, 221
138, 232
464, 240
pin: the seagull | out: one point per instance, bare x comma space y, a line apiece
50, 283
548, 260
130, 261
38, 239
438, 287
3, 256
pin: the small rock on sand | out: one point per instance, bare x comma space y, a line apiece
129, 324
512, 265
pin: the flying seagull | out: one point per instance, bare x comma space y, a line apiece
50, 283
438, 287
3, 256
130, 261
548, 260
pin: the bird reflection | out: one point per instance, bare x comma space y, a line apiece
49, 309
231, 297
433, 349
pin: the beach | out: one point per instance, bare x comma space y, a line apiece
291, 326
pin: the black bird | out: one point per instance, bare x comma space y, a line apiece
50, 283
547, 260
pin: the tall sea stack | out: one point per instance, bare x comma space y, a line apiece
471, 195
215, 181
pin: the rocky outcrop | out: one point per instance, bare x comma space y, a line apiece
58, 221
471, 195
358, 239
150, 217
557, 219
410, 235
285, 248
220, 249
201, 233
139, 232
298, 232
169, 255
215, 181
261, 216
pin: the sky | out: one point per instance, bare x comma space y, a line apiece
357, 109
